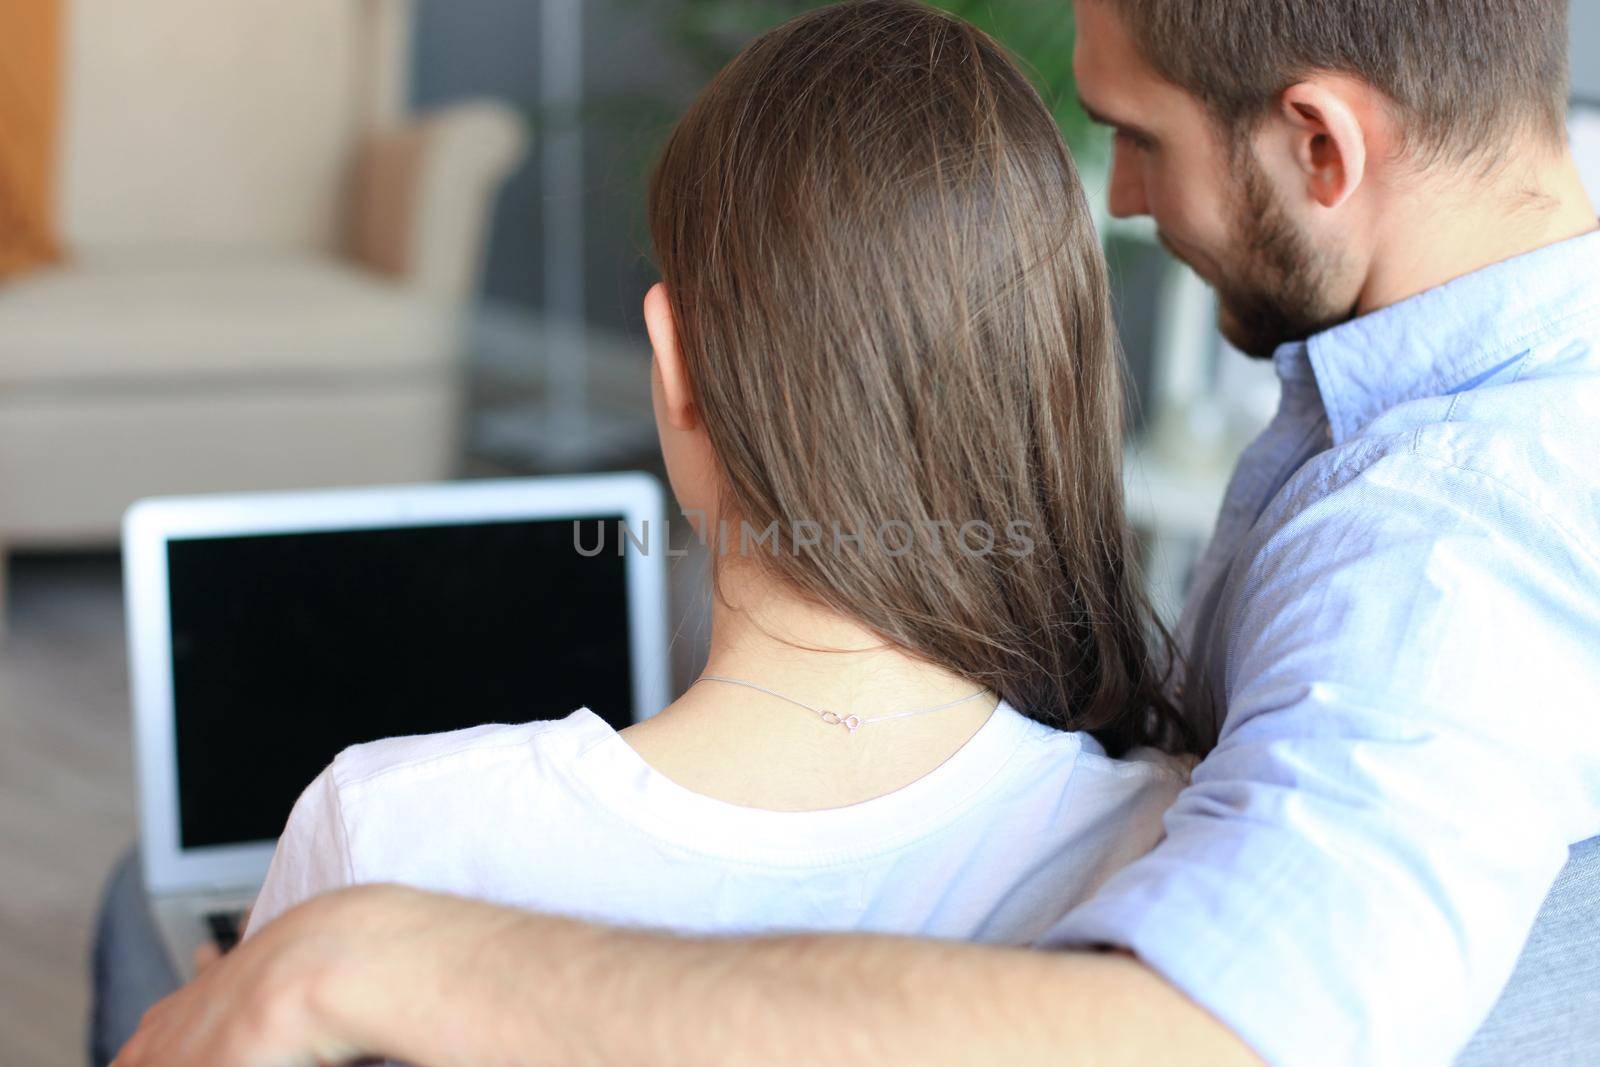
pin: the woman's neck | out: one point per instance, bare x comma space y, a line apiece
757, 750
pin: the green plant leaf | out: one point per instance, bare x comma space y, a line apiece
1038, 33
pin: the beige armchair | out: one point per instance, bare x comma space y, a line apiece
268, 264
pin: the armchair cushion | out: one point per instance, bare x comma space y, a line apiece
424, 191
192, 318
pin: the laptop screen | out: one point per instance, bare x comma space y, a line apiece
289, 647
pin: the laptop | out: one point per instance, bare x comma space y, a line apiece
269, 631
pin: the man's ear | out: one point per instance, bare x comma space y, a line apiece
668, 360
1329, 139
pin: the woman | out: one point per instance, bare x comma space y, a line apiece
885, 376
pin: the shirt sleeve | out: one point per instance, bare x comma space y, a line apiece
313, 854
1409, 749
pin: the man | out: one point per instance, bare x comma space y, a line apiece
1396, 632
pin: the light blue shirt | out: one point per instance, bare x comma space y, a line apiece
1400, 613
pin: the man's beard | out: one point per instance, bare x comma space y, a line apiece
1279, 292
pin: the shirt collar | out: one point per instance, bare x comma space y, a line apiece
1434, 343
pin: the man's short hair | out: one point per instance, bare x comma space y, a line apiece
1467, 76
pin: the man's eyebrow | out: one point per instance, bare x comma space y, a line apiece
1116, 124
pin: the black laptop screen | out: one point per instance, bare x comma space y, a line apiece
288, 648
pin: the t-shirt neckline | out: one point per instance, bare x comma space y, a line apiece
615, 775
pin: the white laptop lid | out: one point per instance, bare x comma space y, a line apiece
268, 631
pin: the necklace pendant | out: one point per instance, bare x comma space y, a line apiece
833, 718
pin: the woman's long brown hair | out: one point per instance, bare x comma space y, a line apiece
893, 308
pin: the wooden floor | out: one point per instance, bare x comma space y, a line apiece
66, 795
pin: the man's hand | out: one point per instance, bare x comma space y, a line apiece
208, 951
259, 1005
362, 972
205, 954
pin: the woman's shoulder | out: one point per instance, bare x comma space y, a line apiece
1143, 762
471, 751
412, 809
1094, 812
1085, 753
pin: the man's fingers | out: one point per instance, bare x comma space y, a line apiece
205, 955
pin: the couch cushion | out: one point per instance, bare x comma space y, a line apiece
184, 319
1549, 1013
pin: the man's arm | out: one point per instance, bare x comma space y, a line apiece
1409, 750
444, 981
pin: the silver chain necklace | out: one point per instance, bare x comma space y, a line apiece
833, 718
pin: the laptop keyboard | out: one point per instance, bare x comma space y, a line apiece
226, 927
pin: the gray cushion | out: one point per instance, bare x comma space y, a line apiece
1549, 1014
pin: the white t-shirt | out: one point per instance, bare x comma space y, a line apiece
563, 816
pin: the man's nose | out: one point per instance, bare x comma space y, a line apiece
1126, 196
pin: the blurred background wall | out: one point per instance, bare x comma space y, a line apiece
1586, 49
490, 47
